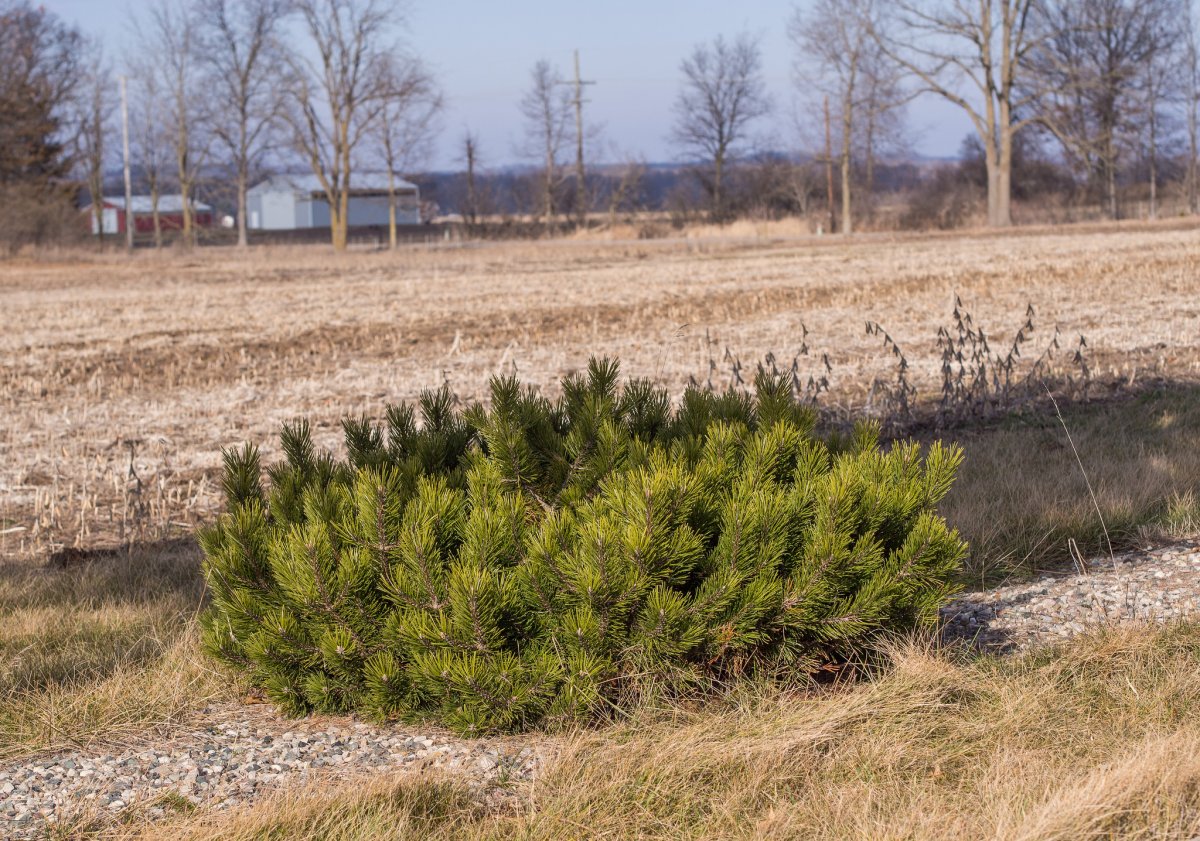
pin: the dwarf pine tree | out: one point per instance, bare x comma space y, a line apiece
530, 562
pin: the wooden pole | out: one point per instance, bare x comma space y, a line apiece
580, 173
578, 85
128, 176
829, 168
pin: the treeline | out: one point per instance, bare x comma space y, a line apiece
1077, 107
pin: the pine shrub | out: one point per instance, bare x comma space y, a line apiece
540, 561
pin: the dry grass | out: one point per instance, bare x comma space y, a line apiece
1096, 740
121, 380
1020, 495
103, 651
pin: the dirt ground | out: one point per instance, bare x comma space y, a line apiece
122, 378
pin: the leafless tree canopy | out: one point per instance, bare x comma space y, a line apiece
838, 58
976, 56
169, 36
1101, 96
723, 94
334, 100
240, 53
1093, 68
546, 108
150, 134
407, 123
93, 121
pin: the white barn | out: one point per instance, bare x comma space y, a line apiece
293, 202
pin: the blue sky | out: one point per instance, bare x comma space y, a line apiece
482, 51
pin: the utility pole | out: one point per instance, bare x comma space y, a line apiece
128, 178
580, 171
829, 168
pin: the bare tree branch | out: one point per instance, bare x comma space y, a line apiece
722, 95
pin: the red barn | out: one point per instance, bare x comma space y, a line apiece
170, 214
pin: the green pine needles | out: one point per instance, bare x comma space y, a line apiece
540, 561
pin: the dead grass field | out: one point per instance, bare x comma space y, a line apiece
1092, 741
121, 380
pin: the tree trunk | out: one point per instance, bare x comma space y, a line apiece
718, 197
1193, 176
1109, 163
339, 216
1153, 167
391, 209
869, 185
187, 220
337, 229
548, 187
1110, 185
847, 126
155, 214
829, 169
1004, 178
998, 155
243, 239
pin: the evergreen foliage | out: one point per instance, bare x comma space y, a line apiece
535, 561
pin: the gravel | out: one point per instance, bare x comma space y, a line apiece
233, 755
1160, 585
236, 755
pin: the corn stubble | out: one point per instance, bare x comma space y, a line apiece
121, 381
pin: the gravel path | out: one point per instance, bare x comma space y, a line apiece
232, 755
236, 754
1159, 585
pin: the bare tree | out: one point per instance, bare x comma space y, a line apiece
150, 136
626, 193
1090, 74
984, 46
546, 107
406, 125
335, 98
838, 56
170, 35
94, 111
472, 203
1161, 83
883, 124
238, 46
723, 94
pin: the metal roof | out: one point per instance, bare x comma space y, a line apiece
166, 204
365, 181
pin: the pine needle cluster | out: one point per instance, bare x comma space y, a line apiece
536, 561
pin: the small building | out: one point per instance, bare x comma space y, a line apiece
293, 202
170, 214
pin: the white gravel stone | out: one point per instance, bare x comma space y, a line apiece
233, 756
1155, 585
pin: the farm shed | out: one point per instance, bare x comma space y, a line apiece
170, 214
292, 202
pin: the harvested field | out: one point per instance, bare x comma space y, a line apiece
121, 380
